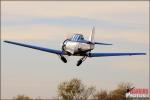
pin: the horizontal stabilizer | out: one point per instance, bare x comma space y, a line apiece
89, 42
102, 43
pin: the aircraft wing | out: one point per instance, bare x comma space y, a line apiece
113, 54
38, 48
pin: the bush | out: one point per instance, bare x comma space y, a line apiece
74, 90
22, 97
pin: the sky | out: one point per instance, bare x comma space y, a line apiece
125, 24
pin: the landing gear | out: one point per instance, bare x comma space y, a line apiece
63, 58
81, 60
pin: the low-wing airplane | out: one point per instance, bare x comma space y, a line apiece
77, 46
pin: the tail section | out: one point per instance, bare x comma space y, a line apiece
102, 43
91, 38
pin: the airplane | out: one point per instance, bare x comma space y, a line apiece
77, 46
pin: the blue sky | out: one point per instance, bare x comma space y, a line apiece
34, 73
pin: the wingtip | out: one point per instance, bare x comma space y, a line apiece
142, 54
6, 41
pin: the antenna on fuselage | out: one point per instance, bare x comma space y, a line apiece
91, 38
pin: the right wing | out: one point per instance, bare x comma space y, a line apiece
113, 54
38, 48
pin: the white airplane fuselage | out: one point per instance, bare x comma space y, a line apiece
77, 45
74, 47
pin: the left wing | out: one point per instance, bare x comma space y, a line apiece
113, 54
38, 48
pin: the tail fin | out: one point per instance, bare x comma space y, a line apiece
91, 38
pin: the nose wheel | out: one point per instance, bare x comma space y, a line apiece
81, 60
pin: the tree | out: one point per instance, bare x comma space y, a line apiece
22, 97
74, 90
101, 95
117, 94
120, 92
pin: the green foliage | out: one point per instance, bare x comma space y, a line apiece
74, 90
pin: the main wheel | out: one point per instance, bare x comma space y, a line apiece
63, 59
79, 62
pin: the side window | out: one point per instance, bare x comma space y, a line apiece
82, 37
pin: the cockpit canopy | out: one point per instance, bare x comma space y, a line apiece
77, 37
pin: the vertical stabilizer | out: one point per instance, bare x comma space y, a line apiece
91, 38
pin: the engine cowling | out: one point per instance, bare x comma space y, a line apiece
64, 44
